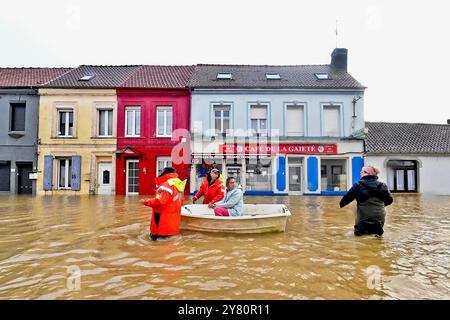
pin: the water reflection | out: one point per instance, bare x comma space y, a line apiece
106, 238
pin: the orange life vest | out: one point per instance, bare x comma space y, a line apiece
166, 205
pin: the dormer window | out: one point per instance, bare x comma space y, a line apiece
224, 76
273, 76
322, 76
86, 77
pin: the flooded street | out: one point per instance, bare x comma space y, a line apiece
43, 239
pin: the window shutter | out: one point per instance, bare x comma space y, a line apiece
281, 174
357, 165
258, 112
76, 173
295, 121
331, 121
48, 173
313, 174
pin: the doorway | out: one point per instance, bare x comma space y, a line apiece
24, 184
104, 178
132, 177
403, 177
295, 169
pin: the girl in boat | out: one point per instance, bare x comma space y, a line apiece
212, 188
233, 202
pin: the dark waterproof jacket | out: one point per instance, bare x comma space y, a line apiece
371, 197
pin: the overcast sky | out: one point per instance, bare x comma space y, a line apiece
399, 50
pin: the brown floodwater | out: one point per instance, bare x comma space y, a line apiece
97, 247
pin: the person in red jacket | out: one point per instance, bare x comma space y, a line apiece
212, 188
166, 205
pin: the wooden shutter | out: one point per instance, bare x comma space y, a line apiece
48, 173
76, 173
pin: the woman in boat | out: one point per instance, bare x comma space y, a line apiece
371, 196
233, 202
212, 188
166, 205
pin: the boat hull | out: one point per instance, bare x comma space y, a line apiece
257, 220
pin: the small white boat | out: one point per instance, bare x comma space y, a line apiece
256, 218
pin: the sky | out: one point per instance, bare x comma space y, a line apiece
400, 50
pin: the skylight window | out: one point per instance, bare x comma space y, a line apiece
224, 76
322, 76
86, 77
273, 76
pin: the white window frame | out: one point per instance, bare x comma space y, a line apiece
341, 117
165, 160
66, 133
164, 109
256, 104
126, 176
110, 109
68, 173
134, 109
217, 105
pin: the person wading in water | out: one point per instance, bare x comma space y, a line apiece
371, 197
166, 205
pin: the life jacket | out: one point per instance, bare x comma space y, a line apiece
211, 193
166, 205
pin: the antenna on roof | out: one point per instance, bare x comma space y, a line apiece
336, 31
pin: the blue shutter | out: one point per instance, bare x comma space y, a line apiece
357, 164
313, 173
281, 174
76, 173
48, 172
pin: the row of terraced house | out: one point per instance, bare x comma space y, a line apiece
280, 130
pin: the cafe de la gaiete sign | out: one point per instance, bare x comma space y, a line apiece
278, 148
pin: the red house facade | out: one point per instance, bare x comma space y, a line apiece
153, 127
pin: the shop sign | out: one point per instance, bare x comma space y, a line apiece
281, 148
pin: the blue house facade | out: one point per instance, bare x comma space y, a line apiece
278, 129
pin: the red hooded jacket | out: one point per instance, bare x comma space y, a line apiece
166, 205
212, 193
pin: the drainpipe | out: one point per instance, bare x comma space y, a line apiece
355, 99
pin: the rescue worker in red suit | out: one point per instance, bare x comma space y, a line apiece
166, 205
212, 188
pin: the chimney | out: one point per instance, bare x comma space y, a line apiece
339, 59
448, 121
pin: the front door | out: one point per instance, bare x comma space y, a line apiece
104, 178
132, 183
295, 179
24, 184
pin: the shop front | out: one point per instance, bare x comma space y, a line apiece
283, 169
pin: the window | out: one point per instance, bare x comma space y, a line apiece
322, 76
132, 121
273, 76
221, 118
64, 173
164, 121
333, 174
224, 76
258, 175
331, 121
65, 123
162, 163
258, 119
87, 77
17, 117
105, 122
295, 120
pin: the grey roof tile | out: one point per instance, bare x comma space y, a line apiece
254, 76
411, 138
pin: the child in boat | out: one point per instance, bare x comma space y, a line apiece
233, 202
166, 205
212, 188
371, 197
